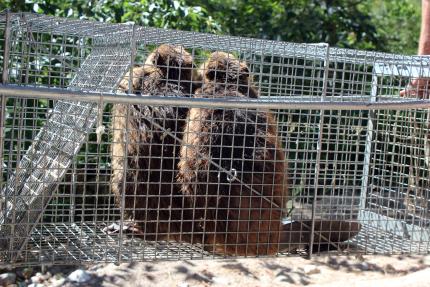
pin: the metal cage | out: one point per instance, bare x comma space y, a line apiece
324, 126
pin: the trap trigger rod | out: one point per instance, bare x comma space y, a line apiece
230, 175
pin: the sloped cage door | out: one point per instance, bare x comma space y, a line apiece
32, 184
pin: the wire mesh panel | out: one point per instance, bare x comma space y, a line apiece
124, 143
67, 125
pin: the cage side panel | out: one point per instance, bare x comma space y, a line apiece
397, 197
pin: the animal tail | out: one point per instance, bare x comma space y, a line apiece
328, 234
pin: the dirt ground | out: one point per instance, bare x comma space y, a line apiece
367, 271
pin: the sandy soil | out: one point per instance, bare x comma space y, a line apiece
330, 271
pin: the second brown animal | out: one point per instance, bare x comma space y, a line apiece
232, 165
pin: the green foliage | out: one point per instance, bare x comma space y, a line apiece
342, 23
383, 25
158, 13
14, 5
397, 22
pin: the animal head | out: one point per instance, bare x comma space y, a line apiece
166, 64
225, 69
173, 62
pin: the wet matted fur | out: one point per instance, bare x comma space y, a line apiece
233, 166
145, 149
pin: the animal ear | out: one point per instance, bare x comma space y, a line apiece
159, 61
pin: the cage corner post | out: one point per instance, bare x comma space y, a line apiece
4, 80
5, 72
368, 147
319, 147
133, 47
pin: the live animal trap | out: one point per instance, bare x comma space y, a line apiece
125, 143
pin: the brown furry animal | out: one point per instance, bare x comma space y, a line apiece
145, 149
231, 186
233, 166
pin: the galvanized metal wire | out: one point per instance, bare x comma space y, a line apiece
91, 165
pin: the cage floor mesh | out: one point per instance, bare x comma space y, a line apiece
86, 242
372, 240
75, 243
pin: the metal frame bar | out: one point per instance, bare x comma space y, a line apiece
287, 103
5, 72
319, 144
383, 223
4, 81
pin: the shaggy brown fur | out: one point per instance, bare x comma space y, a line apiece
240, 215
231, 187
145, 151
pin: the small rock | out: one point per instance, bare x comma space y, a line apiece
35, 285
38, 278
57, 282
79, 276
183, 284
311, 269
364, 266
58, 276
7, 278
47, 275
35, 279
